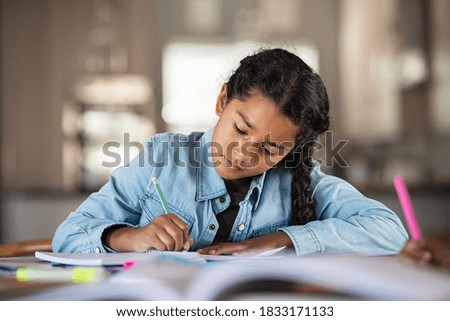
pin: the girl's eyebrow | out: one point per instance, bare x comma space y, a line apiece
250, 125
247, 121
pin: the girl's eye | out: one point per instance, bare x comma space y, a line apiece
266, 150
238, 130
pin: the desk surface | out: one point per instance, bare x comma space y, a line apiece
11, 289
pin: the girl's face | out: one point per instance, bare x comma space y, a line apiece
251, 136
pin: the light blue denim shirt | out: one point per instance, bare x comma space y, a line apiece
347, 222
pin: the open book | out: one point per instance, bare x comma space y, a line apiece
172, 278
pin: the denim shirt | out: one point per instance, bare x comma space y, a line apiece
347, 222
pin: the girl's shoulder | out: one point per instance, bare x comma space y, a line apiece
323, 182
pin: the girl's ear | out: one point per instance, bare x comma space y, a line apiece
221, 100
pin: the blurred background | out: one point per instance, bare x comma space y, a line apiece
84, 83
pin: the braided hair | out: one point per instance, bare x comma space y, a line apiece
300, 95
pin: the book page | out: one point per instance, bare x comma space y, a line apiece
372, 278
109, 259
212, 258
92, 259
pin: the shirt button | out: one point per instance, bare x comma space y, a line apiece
212, 227
241, 227
222, 199
97, 250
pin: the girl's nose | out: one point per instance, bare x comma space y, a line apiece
241, 156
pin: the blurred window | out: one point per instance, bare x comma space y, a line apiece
193, 74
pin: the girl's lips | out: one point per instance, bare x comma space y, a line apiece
229, 164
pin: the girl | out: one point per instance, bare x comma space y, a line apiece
247, 185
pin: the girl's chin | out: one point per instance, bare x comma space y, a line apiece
230, 173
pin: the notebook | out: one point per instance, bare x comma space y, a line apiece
110, 259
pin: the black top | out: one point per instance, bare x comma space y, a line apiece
237, 189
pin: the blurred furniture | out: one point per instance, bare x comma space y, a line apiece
25, 248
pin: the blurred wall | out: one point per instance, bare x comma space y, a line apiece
42, 43
394, 84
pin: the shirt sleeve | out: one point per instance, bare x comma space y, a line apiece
116, 203
347, 222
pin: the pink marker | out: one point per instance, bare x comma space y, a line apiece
407, 207
129, 264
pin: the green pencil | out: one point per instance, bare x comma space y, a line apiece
161, 195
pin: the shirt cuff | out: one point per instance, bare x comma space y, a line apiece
97, 245
304, 239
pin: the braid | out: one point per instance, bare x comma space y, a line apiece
303, 208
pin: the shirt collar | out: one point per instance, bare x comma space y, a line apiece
257, 183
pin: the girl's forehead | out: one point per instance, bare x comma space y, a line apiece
260, 115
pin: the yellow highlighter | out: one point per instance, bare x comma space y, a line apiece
77, 275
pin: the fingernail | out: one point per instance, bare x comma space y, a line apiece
426, 255
212, 252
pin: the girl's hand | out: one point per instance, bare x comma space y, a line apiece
165, 233
250, 246
427, 251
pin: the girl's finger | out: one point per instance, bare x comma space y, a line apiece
227, 248
167, 239
184, 229
157, 244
